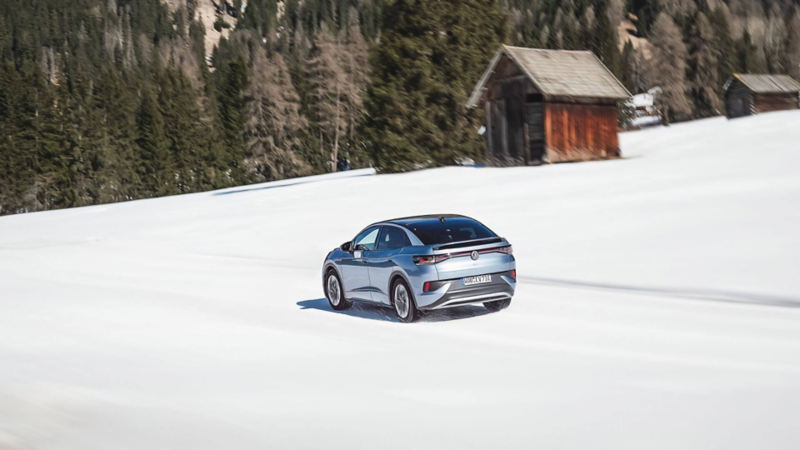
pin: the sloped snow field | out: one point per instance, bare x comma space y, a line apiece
658, 308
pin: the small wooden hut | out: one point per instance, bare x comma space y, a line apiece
548, 106
747, 94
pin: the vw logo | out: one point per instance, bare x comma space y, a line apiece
474, 255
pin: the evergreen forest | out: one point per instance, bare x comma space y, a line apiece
112, 100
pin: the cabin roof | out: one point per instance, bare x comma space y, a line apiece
563, 73
766, 84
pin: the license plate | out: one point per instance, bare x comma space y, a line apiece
469, 281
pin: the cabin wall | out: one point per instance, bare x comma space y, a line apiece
577, 132
507, 106
534, 117
774, 102
737, 100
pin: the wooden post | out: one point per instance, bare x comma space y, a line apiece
504, 127
547, 130
489, 147
526, 141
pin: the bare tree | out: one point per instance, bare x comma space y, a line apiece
328, 82
615, 11
356, 68
675, 8
273, 124
775, 36
300, 43
667, 68
178, 53
112, 36
588, 20
130, 56
794, 46
49, 64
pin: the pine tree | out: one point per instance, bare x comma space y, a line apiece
155, 167
260, 16
723, 44
182, 128
118, 105
430, 56
231, 78
704, 69
606, 43
628, 67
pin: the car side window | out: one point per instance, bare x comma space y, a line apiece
392, 238
368, 238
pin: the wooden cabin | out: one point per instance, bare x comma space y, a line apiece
747, 94
548, 106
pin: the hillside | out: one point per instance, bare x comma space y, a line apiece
206, 13
657, 308
105, 101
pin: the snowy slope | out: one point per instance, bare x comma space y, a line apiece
657, 308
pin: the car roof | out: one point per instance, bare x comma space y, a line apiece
407, 221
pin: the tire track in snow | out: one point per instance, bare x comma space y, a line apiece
692, 294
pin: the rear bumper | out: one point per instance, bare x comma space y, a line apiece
453, 293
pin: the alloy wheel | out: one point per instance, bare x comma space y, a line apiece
334, 292
401, 300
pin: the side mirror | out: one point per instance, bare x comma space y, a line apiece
359, 250
345, 247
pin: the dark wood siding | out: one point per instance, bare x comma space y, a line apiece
513, 94
774, 102
535, 117
496, 129
576, 132
737, 100
506, 120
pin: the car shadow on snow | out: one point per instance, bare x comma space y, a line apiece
372, 311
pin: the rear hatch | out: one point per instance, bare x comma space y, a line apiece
492, 257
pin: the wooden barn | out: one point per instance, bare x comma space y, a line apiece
747, 94
548, 106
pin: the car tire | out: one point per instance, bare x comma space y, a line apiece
335, 292
497, 305
403, 301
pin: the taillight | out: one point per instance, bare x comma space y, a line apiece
427, 286
514, 274
426, 260
507, 250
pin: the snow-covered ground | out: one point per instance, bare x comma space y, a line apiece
658, 307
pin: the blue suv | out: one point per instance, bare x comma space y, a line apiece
422, 263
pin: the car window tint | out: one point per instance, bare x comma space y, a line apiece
392, 238
433, 231
368, 238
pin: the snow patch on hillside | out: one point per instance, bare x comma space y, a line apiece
657, 307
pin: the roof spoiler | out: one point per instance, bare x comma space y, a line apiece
458, 244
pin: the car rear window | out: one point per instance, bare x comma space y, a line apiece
433, 231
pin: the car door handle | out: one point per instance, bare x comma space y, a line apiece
363, 261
